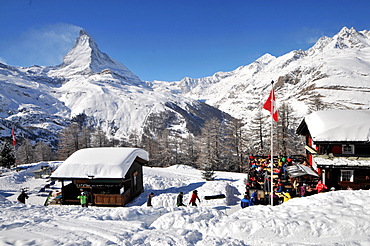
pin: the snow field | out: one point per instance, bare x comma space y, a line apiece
332, 218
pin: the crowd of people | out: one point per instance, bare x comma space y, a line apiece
260, 181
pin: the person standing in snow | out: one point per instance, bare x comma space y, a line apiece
83, 199
22, 197
254, 197
302, 190
179, 199
149, 200
320, 187
194, 198
245, 202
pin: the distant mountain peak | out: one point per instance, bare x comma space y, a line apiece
83, 32
265, 59
86, 58
345, 38
345, 31
84, 54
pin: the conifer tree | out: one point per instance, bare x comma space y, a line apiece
99, 138
69, 141
43, 152
258, 134
288, 141
7, 157
26, 152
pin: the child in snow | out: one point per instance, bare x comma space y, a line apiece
83, 199
245, 202
253, 200
149, 200
22, 197
179, 199
194, 198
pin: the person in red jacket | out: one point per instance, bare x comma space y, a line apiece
320, 187
194, 198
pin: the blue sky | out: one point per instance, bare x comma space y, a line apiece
172, 39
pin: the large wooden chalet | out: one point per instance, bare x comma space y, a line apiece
110, 176
338, 146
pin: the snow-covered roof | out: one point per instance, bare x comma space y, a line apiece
339, 125
99, 163
300, 170
342, 161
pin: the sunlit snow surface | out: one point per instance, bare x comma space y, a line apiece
333, 218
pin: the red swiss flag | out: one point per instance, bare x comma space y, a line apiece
270, 105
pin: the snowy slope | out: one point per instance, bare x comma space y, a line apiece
333, 218
336, 69
90, 82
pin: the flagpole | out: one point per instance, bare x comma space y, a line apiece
270, 105
14, 142
272, 147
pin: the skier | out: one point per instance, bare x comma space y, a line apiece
149, 200
194, 198
22, 197
179, 199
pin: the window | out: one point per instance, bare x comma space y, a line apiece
348, 149
346, 175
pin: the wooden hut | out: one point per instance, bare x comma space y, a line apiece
338, 146
110, 176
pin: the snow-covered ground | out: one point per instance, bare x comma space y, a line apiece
333, 218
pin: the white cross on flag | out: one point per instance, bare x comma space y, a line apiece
270, 105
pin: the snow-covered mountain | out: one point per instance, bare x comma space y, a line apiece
43, 100
336, 70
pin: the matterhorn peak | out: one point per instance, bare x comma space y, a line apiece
84, 54
84, 39
83, 32
86, 58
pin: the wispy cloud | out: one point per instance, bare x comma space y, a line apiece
2, 60
43, 46
309, 36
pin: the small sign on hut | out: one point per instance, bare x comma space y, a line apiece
110, 176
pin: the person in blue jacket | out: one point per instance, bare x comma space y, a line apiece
245, 202
254, 197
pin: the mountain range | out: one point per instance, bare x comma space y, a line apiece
336, 70
42, 100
